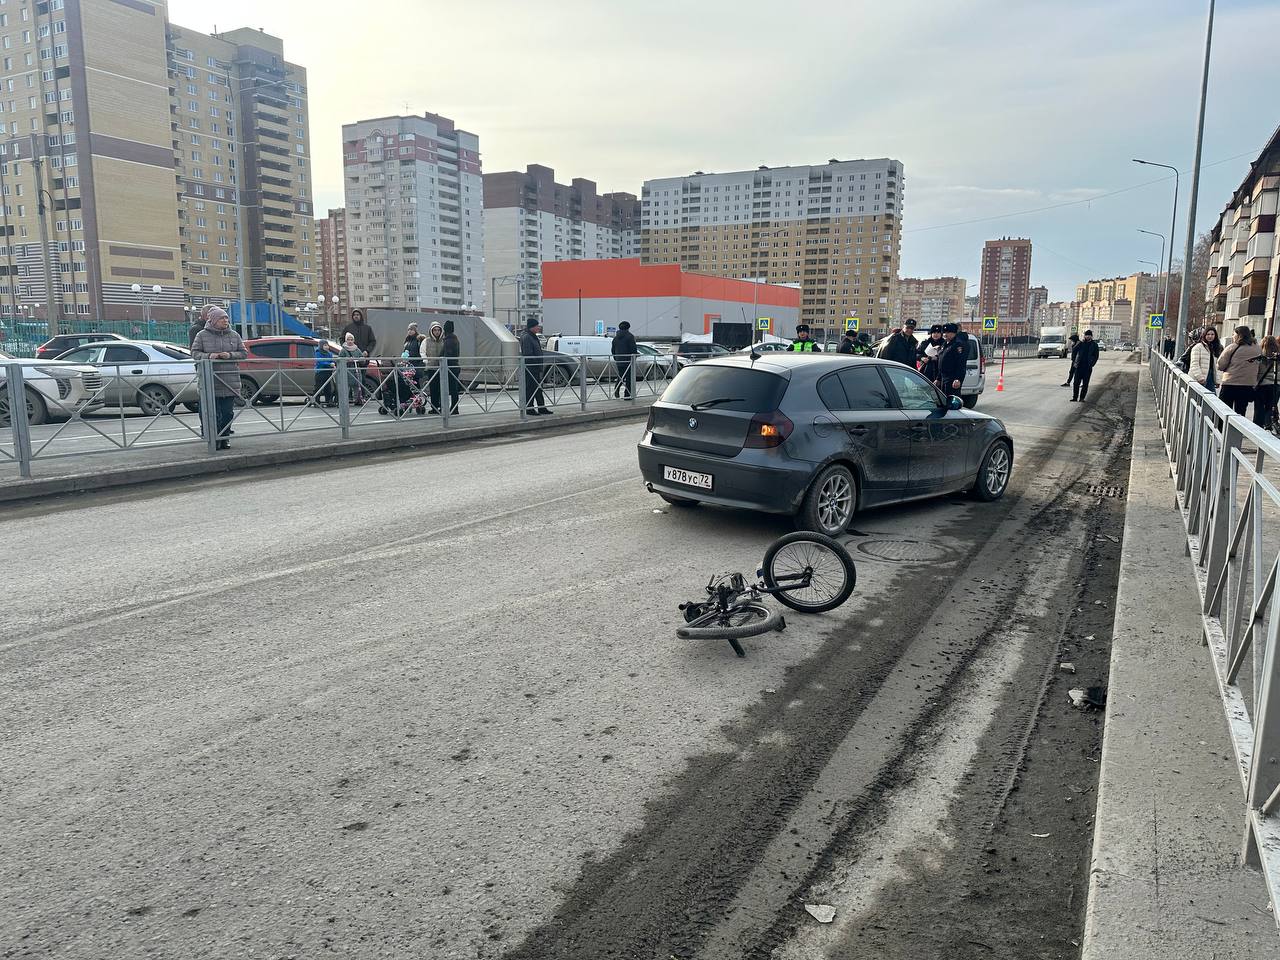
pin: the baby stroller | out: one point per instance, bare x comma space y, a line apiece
400, 392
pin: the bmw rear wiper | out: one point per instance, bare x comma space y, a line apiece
704, 404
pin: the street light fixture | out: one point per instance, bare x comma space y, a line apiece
147, 295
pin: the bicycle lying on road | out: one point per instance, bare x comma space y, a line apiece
808, 572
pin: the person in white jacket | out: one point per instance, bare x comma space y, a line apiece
1203, 359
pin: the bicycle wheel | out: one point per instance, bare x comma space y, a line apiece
832, 576
748, 620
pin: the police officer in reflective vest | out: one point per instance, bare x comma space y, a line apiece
802, 343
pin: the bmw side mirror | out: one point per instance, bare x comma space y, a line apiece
955, 404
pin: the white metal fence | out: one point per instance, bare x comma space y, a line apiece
1227, 473
114, 408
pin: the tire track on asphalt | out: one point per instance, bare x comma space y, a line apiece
667, 886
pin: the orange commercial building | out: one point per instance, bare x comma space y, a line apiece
662, 302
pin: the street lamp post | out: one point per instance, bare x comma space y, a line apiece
142, 293
1173, 227
1159, 266
1150, 331
1184, 300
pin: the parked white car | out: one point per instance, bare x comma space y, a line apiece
148, 374
54, 388
651, 363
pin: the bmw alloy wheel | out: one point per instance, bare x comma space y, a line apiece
835, 502
997, 470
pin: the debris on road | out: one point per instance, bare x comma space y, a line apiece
1066, 666
1092, 697
822, 912
1041, 836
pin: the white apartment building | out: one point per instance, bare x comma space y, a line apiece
1244, 258
415, 223
529, 219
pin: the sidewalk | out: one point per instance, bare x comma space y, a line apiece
84, 473
1166, 879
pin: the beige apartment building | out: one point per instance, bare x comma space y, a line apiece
930, 301
1243, 285
331, 233
832, 229
1117, 308
1058, 313
142, 133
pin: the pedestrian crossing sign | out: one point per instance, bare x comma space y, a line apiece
989, 323
1155, 321
851, 323
763, 323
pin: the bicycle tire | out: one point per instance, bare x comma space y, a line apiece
767, 620
823, 547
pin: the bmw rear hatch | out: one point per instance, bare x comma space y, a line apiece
719, 408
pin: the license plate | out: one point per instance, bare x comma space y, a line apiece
687, 477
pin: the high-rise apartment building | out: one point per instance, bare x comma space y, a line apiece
1036, 297
1059, 313
331, 232
151, 141
240, 129
415, 224
834, 229
930, 301
1117, 308
529, 219
1006, 281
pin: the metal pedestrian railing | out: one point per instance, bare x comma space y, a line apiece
1227, 474
112, 408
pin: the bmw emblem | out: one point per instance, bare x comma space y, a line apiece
693, 423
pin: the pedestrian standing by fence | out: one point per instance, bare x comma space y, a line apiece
363, 333
1084, 357
222, 345
1071, 374
431, 348
1268, 389
531, 350
352, 353
450, 352
196, 327
1169, 346
1202, 359
325, 389
623, 350
1238, 365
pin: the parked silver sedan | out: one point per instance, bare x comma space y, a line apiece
148, 374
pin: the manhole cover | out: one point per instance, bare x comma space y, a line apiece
902, 551
1102, 490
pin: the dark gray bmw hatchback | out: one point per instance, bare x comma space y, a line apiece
818, 436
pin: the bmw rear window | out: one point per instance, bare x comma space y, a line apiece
737, 388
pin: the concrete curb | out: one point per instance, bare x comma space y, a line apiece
1165, 878
21, 490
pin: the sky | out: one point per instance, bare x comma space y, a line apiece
996, 109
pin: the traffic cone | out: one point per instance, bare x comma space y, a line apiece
1000, 384
1000, 380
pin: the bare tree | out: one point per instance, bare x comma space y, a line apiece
1199, 280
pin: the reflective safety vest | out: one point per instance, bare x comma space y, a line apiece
804, 346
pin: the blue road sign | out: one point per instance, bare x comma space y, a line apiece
1155, 321
989, 323
599, 328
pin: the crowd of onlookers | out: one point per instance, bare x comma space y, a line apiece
1243, 372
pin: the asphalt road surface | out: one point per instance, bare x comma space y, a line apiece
434, 706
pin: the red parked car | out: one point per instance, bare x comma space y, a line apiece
282, 367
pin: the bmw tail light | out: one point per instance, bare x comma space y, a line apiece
768, 430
